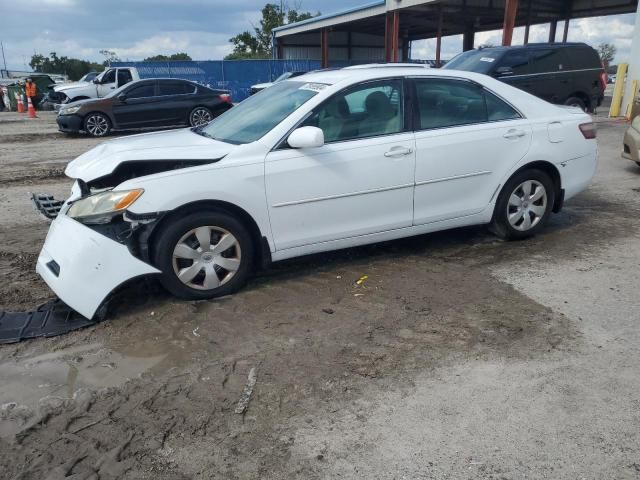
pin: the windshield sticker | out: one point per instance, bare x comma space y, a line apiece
314, 87
487, 59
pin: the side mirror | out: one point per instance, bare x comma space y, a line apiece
306, 137
96, 80
502, 71
122, 97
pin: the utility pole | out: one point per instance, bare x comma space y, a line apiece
3, 57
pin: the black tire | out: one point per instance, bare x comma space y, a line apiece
500, 224
198, 115
576, 102
97, 124
175, 231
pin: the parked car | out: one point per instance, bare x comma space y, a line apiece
329, 160
286, 75
145, 104
102, 85
631, 142
561, 73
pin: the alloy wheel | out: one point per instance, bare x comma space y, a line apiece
200, 116
97, 125
206, 257
527, 205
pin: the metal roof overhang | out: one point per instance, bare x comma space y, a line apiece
420, 20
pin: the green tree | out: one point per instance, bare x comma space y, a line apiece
175, 57
258, 44
73, 67
607, 53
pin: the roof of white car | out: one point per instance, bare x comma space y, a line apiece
364, 72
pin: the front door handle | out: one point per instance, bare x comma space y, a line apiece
398, 152
514, 134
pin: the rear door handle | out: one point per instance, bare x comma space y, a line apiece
514, 134
398, 152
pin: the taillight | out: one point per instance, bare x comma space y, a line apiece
588, 130
225, 97
604, 78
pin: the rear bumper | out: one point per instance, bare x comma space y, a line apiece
631, 145
69, 123
576, 174
83, 267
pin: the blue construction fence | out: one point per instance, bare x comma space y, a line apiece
235, 75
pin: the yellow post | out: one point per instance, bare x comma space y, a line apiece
634, 94
618, 91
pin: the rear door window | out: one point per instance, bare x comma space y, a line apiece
172, 88
124, 76
449, 103
546, 60
581, 58
452, 103
142, 91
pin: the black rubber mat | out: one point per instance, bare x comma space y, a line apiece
48, 320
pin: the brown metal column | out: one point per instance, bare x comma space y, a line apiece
324, 48
439, 38
510, 12
392, 36
552, 31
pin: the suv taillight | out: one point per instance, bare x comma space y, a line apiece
225, 97
588, 130
604, 78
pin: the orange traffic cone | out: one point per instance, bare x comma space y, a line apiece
32, 110
19, 101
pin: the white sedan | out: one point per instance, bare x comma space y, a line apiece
328, 160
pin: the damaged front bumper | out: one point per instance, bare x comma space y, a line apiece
83, 266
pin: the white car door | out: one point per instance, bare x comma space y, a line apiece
107, 83
360, 182
467, 139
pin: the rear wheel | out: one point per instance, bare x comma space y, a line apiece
200, 116
203, 255
97, 124
524, 205
576, 102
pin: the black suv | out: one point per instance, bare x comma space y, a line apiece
561, 73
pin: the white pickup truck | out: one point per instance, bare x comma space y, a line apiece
101, 86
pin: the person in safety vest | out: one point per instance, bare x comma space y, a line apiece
31, 90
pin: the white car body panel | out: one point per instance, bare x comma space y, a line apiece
338, 195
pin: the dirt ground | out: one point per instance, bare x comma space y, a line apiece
461, 356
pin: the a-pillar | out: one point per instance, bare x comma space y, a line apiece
634, 65
392, 36
324, 48
510, 13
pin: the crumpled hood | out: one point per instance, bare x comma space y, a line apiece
180, 144
68, 86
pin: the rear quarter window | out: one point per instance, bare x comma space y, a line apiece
582, 58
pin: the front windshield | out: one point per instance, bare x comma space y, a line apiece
260, 113
479, 61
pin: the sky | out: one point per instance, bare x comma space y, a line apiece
136, 29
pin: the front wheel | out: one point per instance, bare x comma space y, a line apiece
97, 125
524, 205
203, 255
200, 116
